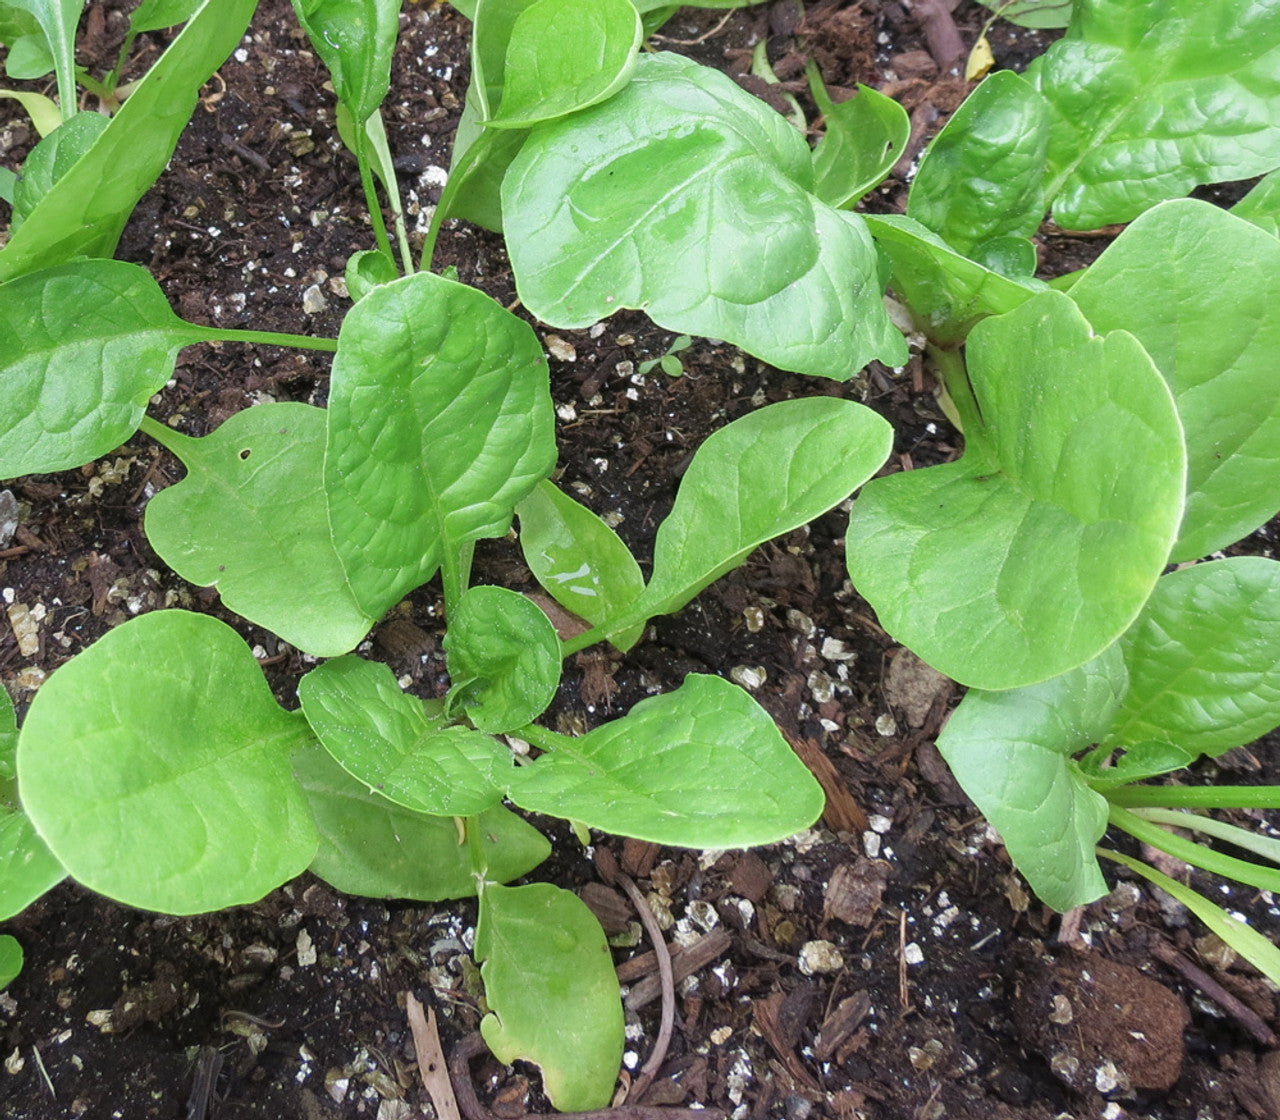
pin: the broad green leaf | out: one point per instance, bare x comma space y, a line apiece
85, 213
504, 659
440, 421
29, 59
578, 559
15, 23
399, 747
250, 519
551, 989
52, 158
946, 292
479, 163
371, 847
156, 766
156, 15
43, 111
1011, 753
982, 176
1036, 550
865, 136
1151, 99
685, 167
1031, 13
27, 867
1261, 205
702, 767
1200, 290
355, 39
763, 475
368, 269
10, 960
83, 346
1204, 658
564, 55
58, 20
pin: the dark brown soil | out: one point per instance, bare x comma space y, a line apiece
888, 965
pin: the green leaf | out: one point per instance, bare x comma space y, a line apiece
684, 165
1037, 549
946, 292
702, 767
399, 747
52, 158
15, 23
766, 473
1150, 100
250, 519
1204, 658
42, 110
366, 270
29, 60
58, 20
370, 847
580, 562
982, 176
1200, 290
83, 346
156, 766
355, 39
1011, 753
552, 991
440, 421
1032, 13
479, 163
865, 136
156, 15
504, 658
1261, 205
564, 55
10, 960
27, 867
86, 211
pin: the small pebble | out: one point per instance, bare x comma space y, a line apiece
818, 957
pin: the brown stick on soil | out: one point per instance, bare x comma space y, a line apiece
432, 1067
1250, 1020
472, 1046
940, 32
650, 1069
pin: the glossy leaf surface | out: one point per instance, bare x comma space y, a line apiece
1200, 290
399, 747
86, 212
565, 55
504, 659
982, 177
156, 15
83, 346
50, 159
702, 767
27, 867
355, 39
371, 847
440, 421
1011, 753
1204, 658
865, 137
683, 165
579, 561
551, 989
250, 519
1036, 550
156, 766
1150, 100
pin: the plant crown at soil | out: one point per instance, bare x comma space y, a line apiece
1114, 421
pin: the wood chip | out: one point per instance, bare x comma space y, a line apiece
683, 963
854, 892
842, 812
848, 1016
432, 1067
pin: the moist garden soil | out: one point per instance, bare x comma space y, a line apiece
889, 964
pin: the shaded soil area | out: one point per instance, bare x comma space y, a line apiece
888, 964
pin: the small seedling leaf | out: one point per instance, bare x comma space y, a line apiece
702, 767
52, 158
504, 659
371, 847
865, 137
399, 747
1204, 658
1011, 753
156, 766
1200, 289
58, 20
553, 994
440, 421
156, 15
355, 39
1036, 550
83, 346
684, 165
250, 519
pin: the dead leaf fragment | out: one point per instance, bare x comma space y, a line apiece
854, 892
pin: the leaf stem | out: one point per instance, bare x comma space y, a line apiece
955, 380
266, 338
165, 436
475, 852
1197, 797
545, 739
371, 192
